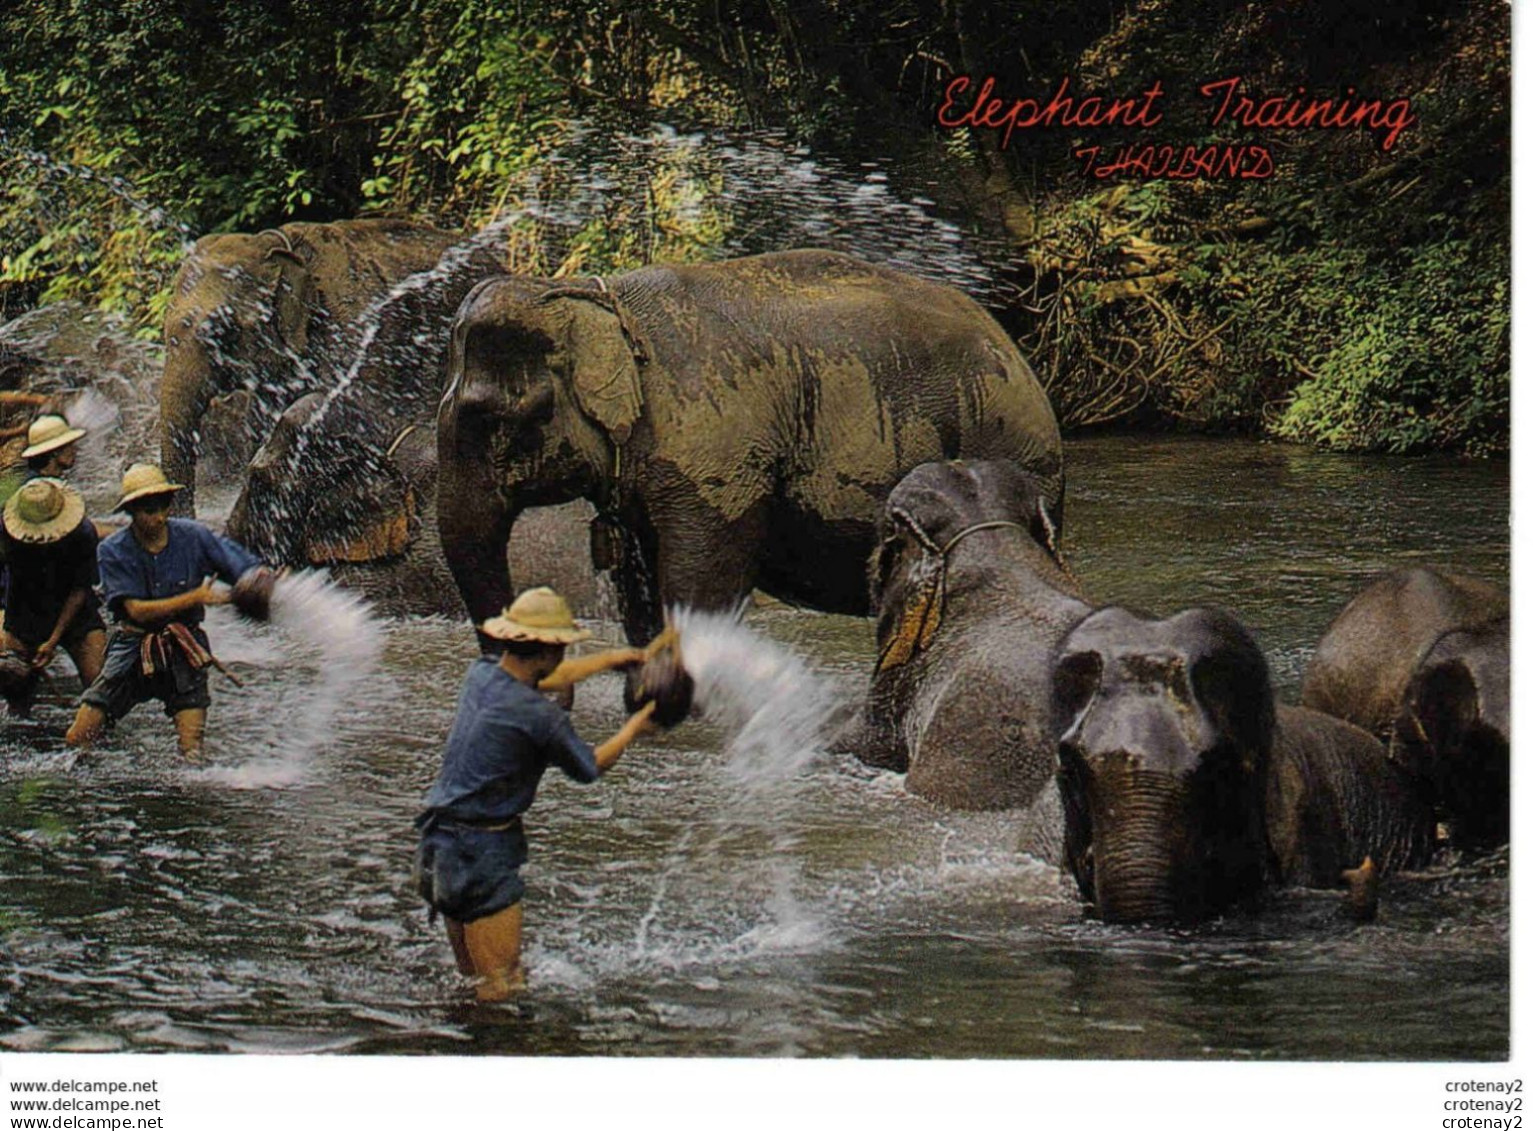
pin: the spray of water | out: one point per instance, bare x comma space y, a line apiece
775, 715
331, 633
51, 168
776, 711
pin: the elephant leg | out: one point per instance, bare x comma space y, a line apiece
704, 562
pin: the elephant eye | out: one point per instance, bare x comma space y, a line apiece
1077, 675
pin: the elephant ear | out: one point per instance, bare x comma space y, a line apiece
1440, 706
293, 290
919, 616
601, 356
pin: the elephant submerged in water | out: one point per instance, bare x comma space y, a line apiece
1421, 659
257, 321
971, 600
1187, 790
735, 424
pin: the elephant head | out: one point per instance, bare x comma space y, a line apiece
928, 513
1453, 733
330, 485
542, 391
263, 317
1166, 728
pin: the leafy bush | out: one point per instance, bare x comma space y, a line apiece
1418, 357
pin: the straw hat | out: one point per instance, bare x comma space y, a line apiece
540, 615
49, 433
43, 510
144, 479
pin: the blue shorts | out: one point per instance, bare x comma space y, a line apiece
466, 872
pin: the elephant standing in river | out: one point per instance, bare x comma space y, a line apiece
1187, 790
347, 477
1421, 659
971, 600
257, 321
736, 424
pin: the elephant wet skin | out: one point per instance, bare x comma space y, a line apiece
255, 321
1421, 659
735, 424
971, 600
340, 485
1187, 790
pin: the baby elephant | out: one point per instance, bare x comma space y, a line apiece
1420, 658
971, 600
1187, 790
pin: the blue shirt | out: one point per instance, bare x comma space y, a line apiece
505, 735
130, 572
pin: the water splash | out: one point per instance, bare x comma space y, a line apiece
51, 168
765, 193
333, 632
777, 712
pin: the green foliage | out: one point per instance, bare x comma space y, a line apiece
1358, 299
1418, 357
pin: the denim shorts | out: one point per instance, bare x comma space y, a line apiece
466, 872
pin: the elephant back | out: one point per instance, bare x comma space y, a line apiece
863, 371
1363, 662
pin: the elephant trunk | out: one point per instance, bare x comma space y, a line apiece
1139, 850
184, 398
474, 517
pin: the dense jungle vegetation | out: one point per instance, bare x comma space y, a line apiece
1358, 298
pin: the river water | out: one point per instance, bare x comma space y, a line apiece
264, 904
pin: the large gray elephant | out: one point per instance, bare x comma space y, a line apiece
971, 600
735, 424
257, 321
1421, 658
1187, 790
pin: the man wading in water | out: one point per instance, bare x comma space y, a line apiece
156, 579
505, 735
50, 552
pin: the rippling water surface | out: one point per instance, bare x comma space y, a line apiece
264, 904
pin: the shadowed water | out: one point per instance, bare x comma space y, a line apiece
809, 908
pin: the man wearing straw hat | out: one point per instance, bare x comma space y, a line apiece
156, 579
52, 445
503, 738
50, 600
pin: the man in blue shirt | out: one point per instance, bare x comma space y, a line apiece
503, 738
156, 579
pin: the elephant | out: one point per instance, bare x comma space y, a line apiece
347, 476
343, 486
256, 321
971, 598
1453, 733
735, 424
1188, 790
1369, 652
1421, 659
